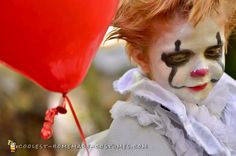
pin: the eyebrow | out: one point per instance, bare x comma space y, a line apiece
188, 50
177, 45
214, 46
218, 38
178, 52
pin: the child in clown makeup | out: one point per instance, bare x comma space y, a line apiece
181, 101
186, 60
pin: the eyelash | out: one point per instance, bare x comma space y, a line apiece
214, 53
177, 59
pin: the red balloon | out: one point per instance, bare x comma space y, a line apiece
53, 41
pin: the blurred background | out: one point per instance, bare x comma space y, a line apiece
23, 104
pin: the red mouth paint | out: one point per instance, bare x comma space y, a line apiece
198, 88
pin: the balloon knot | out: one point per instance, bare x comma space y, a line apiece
47, 130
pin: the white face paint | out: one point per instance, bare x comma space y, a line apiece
188, 61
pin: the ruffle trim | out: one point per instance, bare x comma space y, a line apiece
196, 123
162, 123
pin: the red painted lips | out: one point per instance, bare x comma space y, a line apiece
198, 88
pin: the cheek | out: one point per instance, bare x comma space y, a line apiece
216, 69
182, 75
160, 73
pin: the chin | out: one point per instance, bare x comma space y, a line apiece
189, 96
196, 99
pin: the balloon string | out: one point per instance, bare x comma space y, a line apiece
77, 123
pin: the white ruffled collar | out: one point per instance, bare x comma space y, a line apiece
197, 118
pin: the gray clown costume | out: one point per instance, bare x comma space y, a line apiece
154, 122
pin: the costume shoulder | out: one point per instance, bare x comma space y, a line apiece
229, 81
93, 140
230, 109
126, 137
226, 88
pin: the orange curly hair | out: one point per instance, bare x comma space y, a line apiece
134, 19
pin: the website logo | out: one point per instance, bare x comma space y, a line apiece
12, 145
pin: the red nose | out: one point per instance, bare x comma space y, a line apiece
199, 72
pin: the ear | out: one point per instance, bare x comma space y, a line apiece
141, 59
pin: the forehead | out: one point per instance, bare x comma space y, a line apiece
199, 37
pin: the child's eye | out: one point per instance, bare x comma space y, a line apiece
213, 53
177, 59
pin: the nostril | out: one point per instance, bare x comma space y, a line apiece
199, 72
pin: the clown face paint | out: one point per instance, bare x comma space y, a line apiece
188, 61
